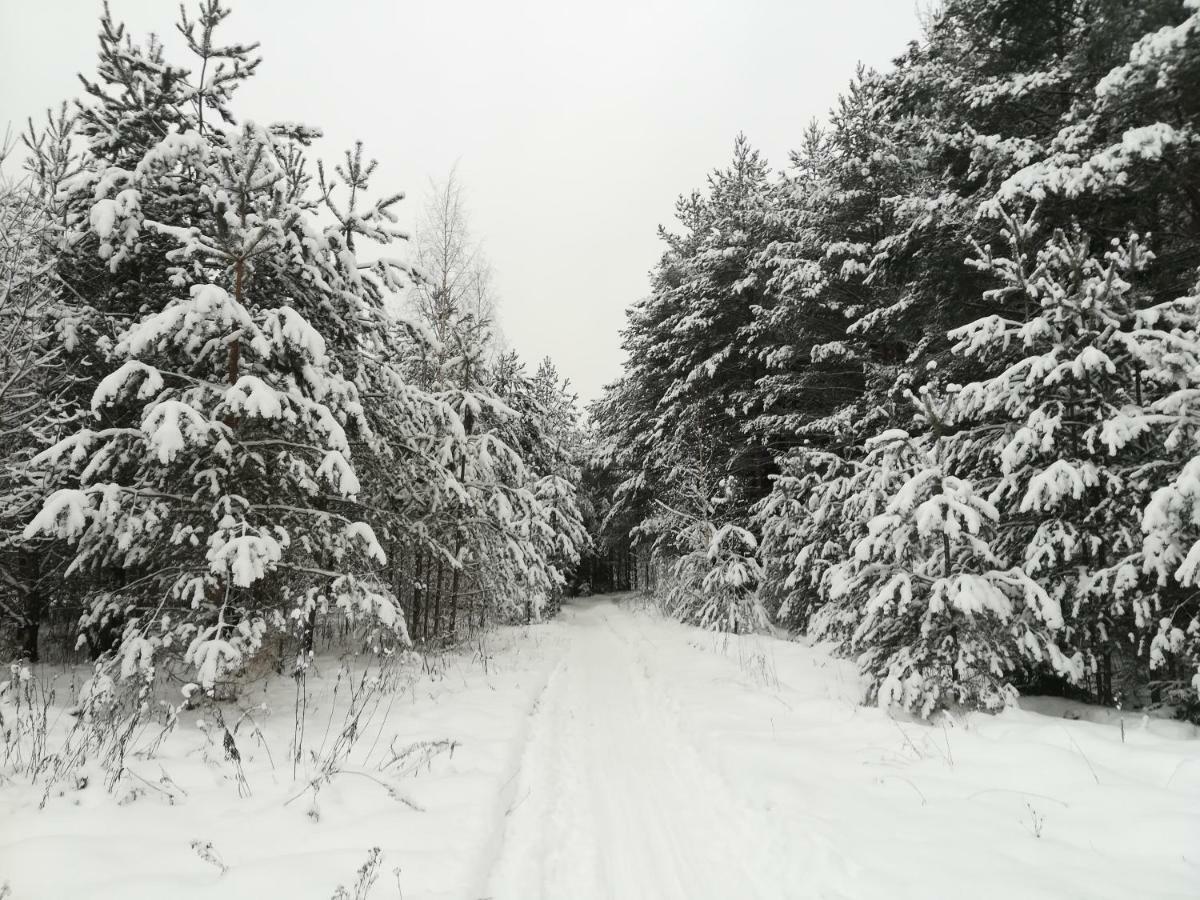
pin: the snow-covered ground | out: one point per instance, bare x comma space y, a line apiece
611, 753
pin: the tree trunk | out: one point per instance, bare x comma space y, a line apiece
437, 603
1105, 678
33, 609
455, 581
397, 558
310, 631
30, 628
418, 604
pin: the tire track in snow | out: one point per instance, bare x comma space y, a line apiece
795, 861
507, 798
611, 800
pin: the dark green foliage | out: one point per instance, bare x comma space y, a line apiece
796, 317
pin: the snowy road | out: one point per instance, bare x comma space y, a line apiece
612, 753
611, 800
661, 761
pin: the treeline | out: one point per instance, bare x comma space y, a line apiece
233, 408
933, 392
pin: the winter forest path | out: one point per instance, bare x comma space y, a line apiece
613, 753
662, 761
611, 800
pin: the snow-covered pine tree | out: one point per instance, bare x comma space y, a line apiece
996, 90
1163, 428
1045, 434
138, 96
819, 349
543, 428
710, 563
957, 127
557, 468
938, 619
1125, 157
689, 366
216, 476
1168, 346
714, 581
853, 280
834, 344
808, 522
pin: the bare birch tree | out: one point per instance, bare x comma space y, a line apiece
456, 299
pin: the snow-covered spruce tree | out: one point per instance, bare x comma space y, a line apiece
937, 618
215, 477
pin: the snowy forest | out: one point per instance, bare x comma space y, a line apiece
930, 393
222, 423
875, 573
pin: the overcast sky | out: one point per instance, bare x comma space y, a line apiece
575, 125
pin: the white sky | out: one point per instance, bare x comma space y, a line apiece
575, 125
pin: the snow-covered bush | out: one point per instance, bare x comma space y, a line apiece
715, 585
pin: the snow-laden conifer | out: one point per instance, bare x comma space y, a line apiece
217, 471
938, 618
